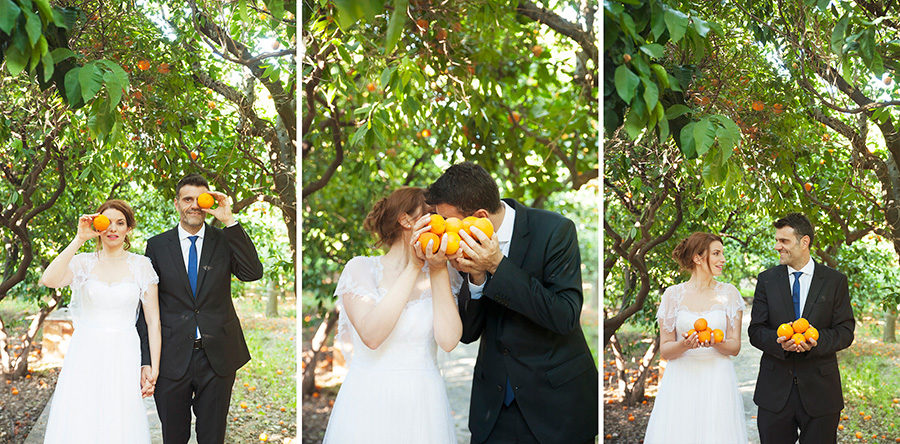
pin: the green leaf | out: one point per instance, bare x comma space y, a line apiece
90, 80
688, 148
704, 136
9, 12
837, 35
32, 26
44, 8
867, 47
634, 123
276, 7
657, 21
114, 88
626, 83
728, 134
351, 11
60, 54
242, 10
48, 65
15, 60
654, 50
651, 94
661, 75
73, 87
359, 135
701, 26
628, 25
676, 111
677, 24
395, 25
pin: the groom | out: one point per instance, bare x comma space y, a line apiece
202, 342
799, 386
535, 379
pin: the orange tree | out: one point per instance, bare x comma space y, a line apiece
394, 94
148, 94
783, 159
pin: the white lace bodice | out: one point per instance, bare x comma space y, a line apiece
727, 300
114, 305
411, 343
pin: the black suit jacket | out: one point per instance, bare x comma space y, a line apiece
827, 309
225, 252
528, 322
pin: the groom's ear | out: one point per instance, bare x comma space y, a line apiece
481, 212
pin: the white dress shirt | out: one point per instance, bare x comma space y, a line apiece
183, 237
504, 237
805, 280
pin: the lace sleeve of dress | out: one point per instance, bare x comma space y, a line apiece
668, 308
357, 283
144, 274
735, 302
81, 266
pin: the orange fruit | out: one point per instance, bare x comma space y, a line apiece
811, 332
15, 391
143, 65
370, 87
101, 222
426, 132
438, 225
800, 325
718, 335
700, 324
484, 224
436, 242
453, 225
840, 427
703, 336
205, 200
798, 338
785, 331
453, 241
757, 105
691, 331
467, 224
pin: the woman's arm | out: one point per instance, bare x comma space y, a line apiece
58, 273
670, 347
732, 343
150, 305
447, 324
375, 321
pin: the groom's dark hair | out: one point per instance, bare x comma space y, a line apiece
466, 186
191, 179
801, 225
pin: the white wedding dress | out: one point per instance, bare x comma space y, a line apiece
395, 393
698, 401
98, 393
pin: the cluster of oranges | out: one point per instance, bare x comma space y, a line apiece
706, 334
451, 227
798, 331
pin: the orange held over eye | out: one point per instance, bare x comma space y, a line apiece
429, 236
798, 338
700, 324
800, 325
467, 224
484, 224
453, 240
438, 225
101, 223
785, 331
205, 200
811, 333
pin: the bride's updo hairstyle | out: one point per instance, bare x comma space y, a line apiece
697, 243
382, 220
126, 210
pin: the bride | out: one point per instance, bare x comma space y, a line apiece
98, 394
397, 309
698, 400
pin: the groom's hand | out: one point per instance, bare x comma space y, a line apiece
788, 344
484, 252
222, 211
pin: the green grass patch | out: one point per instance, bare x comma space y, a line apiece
870, 376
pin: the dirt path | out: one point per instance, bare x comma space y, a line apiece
457, 367
746, 366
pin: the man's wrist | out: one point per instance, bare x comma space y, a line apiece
229, 221
477, 278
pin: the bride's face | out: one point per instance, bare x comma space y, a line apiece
114, 236
715, 258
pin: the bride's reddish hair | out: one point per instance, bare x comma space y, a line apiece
382, 220
697, 243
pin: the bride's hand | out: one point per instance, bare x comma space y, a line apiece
691, 341
86, 230
421, 226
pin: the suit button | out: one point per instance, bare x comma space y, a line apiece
505, 351
197, 311
499, 388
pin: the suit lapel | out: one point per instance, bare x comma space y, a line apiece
815, 289
210, 242
178, 261
520, 241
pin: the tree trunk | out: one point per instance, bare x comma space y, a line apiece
272, 301
890, 325
634, 393
318, 340
15, 365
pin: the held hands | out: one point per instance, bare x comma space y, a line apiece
86, 230
692, 341
222, 210
788, 344
148, 380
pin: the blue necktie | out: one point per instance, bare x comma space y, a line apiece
192, 264
795, 293
508, 397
